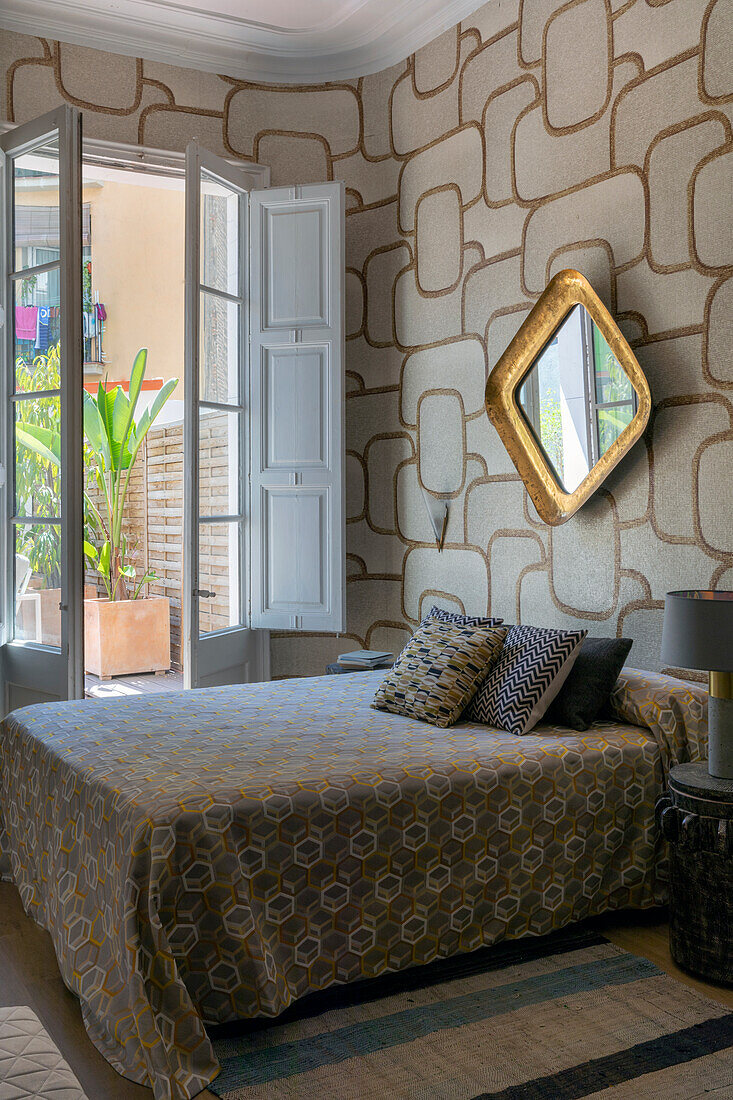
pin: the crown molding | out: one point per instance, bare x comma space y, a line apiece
370, 35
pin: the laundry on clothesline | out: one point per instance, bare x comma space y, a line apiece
26, 323
89, 319
42, 336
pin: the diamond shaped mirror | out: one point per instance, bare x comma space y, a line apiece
567, 397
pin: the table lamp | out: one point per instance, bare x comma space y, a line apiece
698, 633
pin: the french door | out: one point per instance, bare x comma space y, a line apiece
264, 417
218, 646
41, 655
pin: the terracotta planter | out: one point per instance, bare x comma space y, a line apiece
127, 636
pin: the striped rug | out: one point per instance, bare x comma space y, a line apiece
563, 1017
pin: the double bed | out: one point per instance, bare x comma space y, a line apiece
215, 855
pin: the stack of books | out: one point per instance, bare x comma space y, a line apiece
366, 659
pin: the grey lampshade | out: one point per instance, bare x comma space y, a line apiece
698, 630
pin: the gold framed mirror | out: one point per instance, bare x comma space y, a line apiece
567, 397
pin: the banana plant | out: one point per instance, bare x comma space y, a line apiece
114, 438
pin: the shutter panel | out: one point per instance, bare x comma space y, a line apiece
297, 574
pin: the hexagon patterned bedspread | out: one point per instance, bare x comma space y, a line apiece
211, 855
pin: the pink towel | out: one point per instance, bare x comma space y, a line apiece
26, 322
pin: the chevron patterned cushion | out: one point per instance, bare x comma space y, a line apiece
461, 620
528, 675
438, 671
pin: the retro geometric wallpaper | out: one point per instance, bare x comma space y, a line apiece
536, 135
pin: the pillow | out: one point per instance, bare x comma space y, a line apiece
531, 670
462, 620
438, 671
590, 682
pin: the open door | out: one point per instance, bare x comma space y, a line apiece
218, 646
41, 656
264, 422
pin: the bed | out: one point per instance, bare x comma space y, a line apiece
214, 855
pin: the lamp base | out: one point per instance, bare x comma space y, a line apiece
720, 730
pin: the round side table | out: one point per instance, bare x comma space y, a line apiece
696, 817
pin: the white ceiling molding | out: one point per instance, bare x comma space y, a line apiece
299, 41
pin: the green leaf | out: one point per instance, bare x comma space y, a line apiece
44, 442
104, 559
120, 424
104, 408
91, 552
136, 380
95, 431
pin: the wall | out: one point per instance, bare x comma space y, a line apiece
535, 136
137, 267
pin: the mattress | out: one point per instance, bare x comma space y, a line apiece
213, 855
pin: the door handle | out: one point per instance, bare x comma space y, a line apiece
203, 594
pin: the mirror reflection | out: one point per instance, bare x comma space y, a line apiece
577, 398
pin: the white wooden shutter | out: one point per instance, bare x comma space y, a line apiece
297, 573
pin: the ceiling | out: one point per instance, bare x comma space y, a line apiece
285, 41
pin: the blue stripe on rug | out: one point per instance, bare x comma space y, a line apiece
255, 1067
483, 960
675, 1049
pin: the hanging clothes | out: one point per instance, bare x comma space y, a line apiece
42, 339
26, 323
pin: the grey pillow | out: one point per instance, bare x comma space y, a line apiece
589, 684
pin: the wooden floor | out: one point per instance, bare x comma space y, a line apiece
146, 684
30, 976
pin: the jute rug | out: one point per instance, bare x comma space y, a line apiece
554, 1019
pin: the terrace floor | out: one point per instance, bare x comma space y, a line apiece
145, 684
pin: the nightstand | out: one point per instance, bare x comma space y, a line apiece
696, 817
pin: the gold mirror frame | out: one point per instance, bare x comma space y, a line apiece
566, 289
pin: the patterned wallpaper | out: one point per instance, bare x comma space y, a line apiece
536, 135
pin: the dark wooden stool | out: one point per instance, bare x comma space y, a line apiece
696, 817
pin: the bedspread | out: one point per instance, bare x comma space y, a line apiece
212, 855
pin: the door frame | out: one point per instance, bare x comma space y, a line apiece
219, 643
21, 659
139, 158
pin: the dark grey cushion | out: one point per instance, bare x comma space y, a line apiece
585, 693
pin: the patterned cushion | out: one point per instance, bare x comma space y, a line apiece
439, 670
531, 670
462, 620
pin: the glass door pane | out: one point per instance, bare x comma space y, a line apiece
221, 412
42, 374
218, 646
35, 262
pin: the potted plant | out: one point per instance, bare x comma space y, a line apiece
125, 631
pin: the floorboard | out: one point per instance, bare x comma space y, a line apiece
143, 684
30, 976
